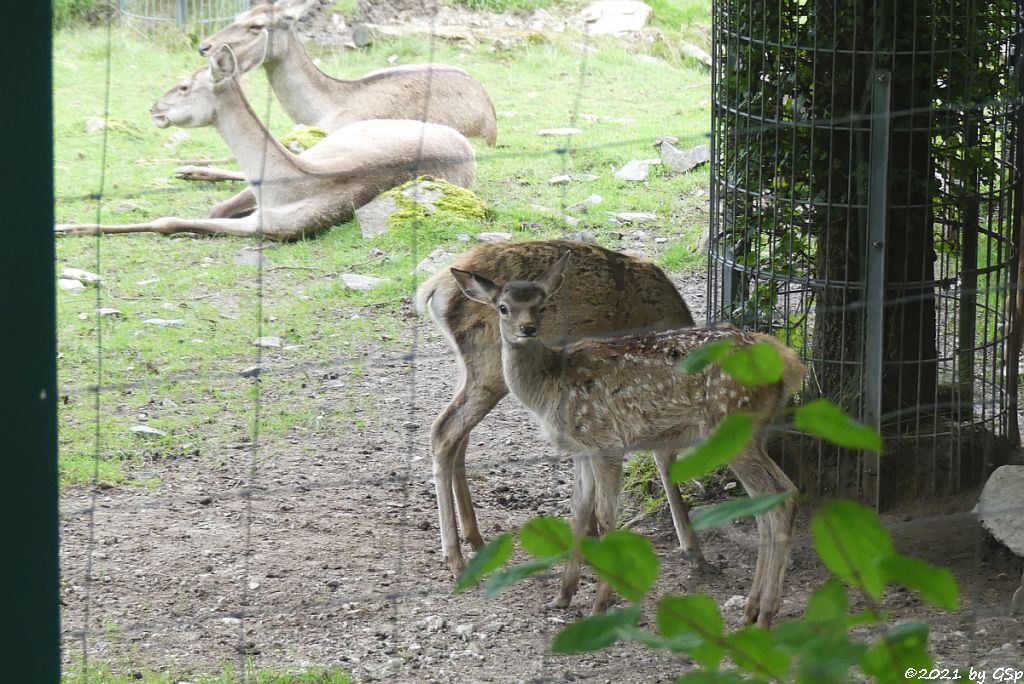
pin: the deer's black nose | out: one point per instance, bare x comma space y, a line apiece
528, 329
204, 49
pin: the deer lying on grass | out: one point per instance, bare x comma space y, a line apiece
601, 399
297, 196
437, 93
610, 293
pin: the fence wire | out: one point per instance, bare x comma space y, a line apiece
404, 605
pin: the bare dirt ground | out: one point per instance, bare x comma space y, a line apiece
334, 559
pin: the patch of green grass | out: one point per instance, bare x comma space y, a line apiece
105, 674
184, 380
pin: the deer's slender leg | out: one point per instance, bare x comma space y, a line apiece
688, 541
464, 500
607, 495
207, 173
246, 226
471, 403
242, 204
759, 474
581, 505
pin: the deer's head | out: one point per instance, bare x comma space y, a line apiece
520, 304
260, 34
192, 103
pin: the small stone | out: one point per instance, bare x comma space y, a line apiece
361, 35
465, 630
108, 311
735, 602
433, 262
95, 124
176, 138
636, 170
462, 237
373, 216
424, 194
614, 17
164, 322
333, 583
585, 204
206, 501
636, 217
586, 177
409, 425
251, 372
559, 131
435, 623
494, 627
66, 284
145, 430
475, 649
559, 180
681, 161
362, 283
661, 240
581, 236
423, 525
729, 486
493, 237
83, 316
268, 341
392, 60
85, 277
249, 257
695, 52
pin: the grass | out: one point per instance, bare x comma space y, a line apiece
184, 380
104, 674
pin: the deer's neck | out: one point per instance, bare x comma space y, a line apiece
307, 94
532, 373
259, 154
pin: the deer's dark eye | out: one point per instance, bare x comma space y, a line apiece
183, 88
503, 310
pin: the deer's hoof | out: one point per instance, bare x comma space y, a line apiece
456, 563
705, 569
560, 603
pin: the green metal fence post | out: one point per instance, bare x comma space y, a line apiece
29, 616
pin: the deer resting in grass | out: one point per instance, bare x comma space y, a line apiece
601, 399
437, 93
297, 196
610, 293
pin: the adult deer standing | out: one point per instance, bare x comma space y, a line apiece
297, 196
610, 294
601, 399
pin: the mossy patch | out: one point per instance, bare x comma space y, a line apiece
301, 138
453, 202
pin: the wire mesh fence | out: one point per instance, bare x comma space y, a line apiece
866, 201
200, 15
290, 517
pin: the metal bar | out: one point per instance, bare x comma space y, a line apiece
180, 13
874, 277
29, 622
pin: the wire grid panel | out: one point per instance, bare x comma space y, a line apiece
865, 198
205, 15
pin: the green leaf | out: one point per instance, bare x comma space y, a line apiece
725, 513
702, 677
726, 442
696, 615
852, 542
754, 365
824, 419
753, 650
625, 560
699, 358
501, 581
494, 554
595, 632
937, 586
904, 646
680, 642
828, 603
546, 536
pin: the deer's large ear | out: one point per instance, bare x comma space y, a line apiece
223, 64
476, 287
254, 53
552, 279
295, 10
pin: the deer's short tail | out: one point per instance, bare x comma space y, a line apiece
425, 291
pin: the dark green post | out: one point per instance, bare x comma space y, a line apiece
29, 611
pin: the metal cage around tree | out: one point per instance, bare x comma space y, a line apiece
866, 198
203, 15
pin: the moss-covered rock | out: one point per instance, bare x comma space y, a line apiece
424, 196
301, 138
